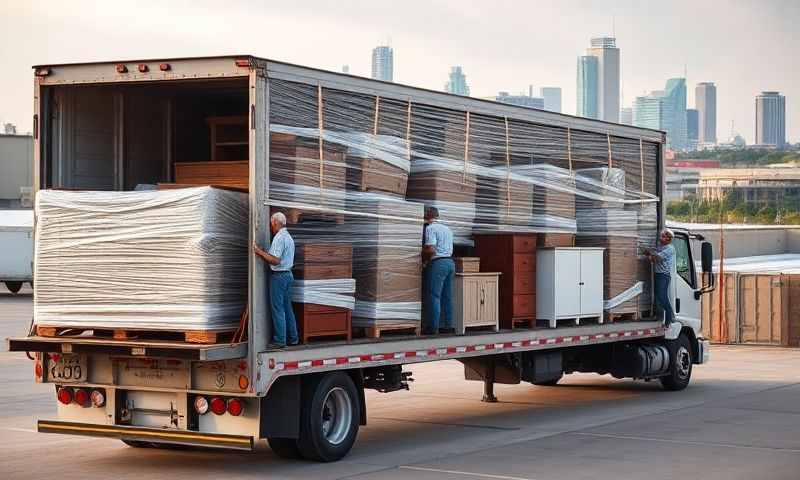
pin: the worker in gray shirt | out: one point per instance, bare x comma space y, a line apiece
663, 258
281, 260
438, 275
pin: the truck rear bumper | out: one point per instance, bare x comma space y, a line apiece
159, 435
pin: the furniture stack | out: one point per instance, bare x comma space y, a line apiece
514, 256
444, 185
329, 267
228, 151
377, 163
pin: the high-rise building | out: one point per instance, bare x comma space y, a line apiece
457, 83
665, 110
587, 87
607, 54
771, 119
692, 128
626, 115
552, 98
383, 63
521, 100
705, 99
345, 68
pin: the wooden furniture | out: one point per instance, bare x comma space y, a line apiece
569, 284
476, 300
513, 255
467, 264
228, 174
229, 137
322, 321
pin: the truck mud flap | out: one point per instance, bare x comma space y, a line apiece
177, 437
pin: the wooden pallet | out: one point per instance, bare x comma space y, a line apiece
524, 322
623, 317
384, 331
189, 336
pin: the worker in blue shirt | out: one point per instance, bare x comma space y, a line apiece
281, 260
663, 258
438, 274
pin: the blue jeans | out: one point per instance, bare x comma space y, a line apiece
437, 295
661, 288
280, 300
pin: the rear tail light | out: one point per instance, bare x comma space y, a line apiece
64, 395
235, 407
218, 406
81, 397
244, 382
98, 398
200, 405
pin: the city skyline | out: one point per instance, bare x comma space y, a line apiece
501, 56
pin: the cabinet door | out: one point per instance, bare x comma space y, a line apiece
567, 292
591, 279
490, 290
472, 297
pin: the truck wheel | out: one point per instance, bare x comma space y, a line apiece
329, 417
13, 287
680, 368
284, 447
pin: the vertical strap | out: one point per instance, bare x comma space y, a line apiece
321, 128
377, 114
610, 162
508, 170
408, 131
466, 148
641, 161
569, 148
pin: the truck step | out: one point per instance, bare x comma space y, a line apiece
188, 336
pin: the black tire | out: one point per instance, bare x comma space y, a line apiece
548, 383
14, 287
136, 443
285, 447
680, 365
329, 417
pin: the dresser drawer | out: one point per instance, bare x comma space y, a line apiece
524, 305
524, 262
524, 243
524, 282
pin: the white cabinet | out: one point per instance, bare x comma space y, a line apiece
569, 284
476, 300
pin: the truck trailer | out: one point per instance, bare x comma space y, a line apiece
115, 125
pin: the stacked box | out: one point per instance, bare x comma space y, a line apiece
386, 260
377, 163
504, 201
450, 191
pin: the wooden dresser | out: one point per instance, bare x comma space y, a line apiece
514, 256
475, 300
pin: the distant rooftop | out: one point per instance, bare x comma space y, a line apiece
604, 42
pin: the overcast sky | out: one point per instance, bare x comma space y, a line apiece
743, 46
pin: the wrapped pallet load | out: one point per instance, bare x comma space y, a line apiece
168, 260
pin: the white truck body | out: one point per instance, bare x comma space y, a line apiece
150, 387
16, 245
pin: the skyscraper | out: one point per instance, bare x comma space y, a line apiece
626, 115
383, 63
552, 98
705, 99
607, 54
587, 87
771, 119
665, 110
692, 128
457, 83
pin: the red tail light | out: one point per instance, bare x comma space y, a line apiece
98, 398
81, 397
218, 406
64, 395
235, 407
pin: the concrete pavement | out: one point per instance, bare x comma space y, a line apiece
739, 419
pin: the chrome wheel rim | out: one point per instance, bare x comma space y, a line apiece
683, 362
337, 415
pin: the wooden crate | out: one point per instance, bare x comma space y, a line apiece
323, 261
373, 175
295, 161
225, 173
467, 264
316, 322
545, 240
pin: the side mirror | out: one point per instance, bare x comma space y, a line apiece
706, 257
